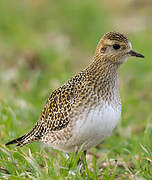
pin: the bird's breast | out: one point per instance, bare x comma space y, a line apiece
96, 123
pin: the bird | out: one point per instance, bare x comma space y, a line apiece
84, 110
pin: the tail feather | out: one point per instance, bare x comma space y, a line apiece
16, 141
34, 135
25, 139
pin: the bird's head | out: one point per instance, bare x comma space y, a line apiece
115, 47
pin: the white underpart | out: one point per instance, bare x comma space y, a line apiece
96, 125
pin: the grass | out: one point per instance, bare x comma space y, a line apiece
42, 44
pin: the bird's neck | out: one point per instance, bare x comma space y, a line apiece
103, 68
104, 76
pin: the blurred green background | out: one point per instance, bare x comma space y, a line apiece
43, 43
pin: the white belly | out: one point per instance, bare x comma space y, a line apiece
94, 126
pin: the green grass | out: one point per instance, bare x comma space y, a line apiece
42, 44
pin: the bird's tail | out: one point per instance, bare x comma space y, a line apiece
25, 139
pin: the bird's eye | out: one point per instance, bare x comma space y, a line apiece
116, 46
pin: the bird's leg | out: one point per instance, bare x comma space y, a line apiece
85, 152
80, 161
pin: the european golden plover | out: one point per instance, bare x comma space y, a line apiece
85, 110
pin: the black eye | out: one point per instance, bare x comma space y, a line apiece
116, 46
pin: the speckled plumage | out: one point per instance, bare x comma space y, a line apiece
116, 36
87, 107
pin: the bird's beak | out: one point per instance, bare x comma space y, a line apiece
134, 53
